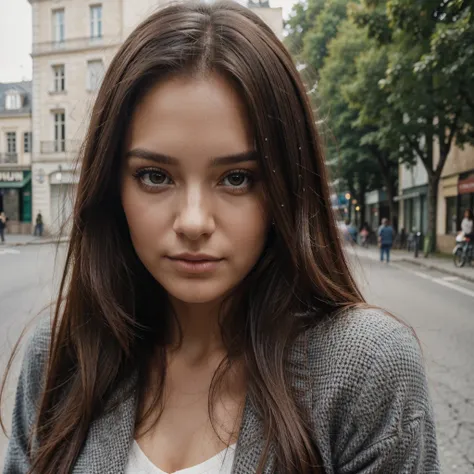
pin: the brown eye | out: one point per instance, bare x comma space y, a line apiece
237, 179
156, 177
153, 178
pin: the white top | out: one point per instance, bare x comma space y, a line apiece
221, 463
467, 225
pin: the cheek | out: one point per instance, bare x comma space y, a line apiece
143, 220
247, 231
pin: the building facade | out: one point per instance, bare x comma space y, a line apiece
377, 208
412, 198
455, 195
15, 155
73, 44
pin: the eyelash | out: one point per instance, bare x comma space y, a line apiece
141, 173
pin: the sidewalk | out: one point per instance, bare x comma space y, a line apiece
443, 265
15, 240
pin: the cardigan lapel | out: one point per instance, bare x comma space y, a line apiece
250, 444
108, 442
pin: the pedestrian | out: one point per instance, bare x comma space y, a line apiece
207, 305
467, 224
386, 236
39, 225
3, 225
351, 232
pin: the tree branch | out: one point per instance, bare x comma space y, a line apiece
416, 148
445, 147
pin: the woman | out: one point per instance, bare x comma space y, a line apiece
3, 224
467, 224
207, 306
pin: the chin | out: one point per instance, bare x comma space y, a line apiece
197, 292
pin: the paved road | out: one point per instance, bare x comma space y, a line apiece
26, 283
440, 308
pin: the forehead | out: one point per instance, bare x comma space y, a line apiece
185, 116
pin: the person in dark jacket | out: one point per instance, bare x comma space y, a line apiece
39, 225
386, 236
3, 224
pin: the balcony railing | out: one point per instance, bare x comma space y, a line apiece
60, 146
8, 158
75, 44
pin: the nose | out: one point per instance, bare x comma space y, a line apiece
194, 218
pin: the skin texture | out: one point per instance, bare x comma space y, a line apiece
194, 204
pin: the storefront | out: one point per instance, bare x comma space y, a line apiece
376, 208
415, 209
466, 192
15, 199
456, 195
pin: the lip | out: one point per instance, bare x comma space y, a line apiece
194, 257
195, 263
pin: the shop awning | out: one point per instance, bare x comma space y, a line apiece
15, 184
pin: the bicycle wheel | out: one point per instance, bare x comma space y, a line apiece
459, 258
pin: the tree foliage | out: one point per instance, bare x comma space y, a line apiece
394, 79
426, 84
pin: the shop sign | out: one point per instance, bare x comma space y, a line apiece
11, 176
466, 186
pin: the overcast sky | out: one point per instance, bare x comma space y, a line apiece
15, 40
15, 37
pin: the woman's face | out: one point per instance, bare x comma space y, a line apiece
191, 189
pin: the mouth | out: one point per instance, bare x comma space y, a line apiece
195, 263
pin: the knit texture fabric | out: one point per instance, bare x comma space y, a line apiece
359, 375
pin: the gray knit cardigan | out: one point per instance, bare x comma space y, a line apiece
360, 376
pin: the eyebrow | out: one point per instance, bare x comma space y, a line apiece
169, 160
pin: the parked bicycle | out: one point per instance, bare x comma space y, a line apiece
463, 252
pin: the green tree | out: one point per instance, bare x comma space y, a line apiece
349, 157
375, 115
324, 28
310, 28
301, 19
427, 112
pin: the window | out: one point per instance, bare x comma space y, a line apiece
59, 131
11, 142
96, 21
59, 78
451, 215
27, 142
58, 26
95, 73
13, 100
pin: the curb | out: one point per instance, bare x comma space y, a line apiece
423, 263
430, 266
37, 242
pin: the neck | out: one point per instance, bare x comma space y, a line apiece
200, 331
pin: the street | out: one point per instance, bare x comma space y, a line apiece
439, 307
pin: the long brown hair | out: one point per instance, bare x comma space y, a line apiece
104, 331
